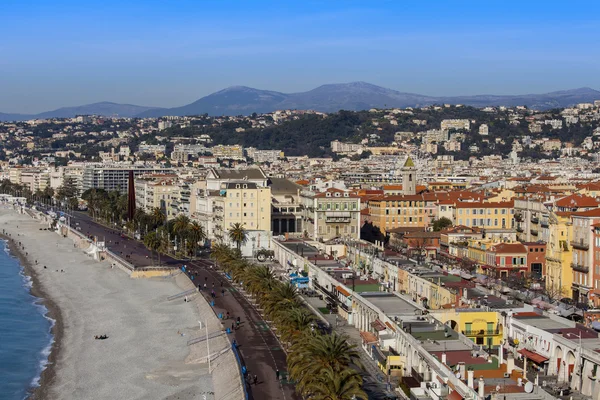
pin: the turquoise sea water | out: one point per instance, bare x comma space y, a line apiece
25, 338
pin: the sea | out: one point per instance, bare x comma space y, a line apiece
25, 330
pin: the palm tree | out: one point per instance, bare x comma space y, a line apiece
180, 226
157, 216
333, 385
196, 235
314, 354
238, 235
152, 243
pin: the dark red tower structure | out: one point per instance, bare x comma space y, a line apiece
130, 197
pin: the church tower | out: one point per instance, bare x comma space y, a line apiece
409, 177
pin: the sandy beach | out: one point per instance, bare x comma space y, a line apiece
146, 355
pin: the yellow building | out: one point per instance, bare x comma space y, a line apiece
559, 255
482, 327
477, 248
242, 202
389, 212
491, 216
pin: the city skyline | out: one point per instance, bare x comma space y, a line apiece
151, 54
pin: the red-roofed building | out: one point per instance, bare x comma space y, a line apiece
576, 203
505, 258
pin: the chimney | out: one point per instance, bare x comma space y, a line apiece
510, 363
443, 358
470, 381
461, 369
481, 388
500, 354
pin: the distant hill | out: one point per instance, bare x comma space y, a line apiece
103, 108
241, 100
354, 96
14, 117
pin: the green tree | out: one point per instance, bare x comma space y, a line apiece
238, 235
68, 190
152, 243
196, 235
332, 385
442, 223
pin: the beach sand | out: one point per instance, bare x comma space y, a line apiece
145, 356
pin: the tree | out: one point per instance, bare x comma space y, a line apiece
238, 235
442, 223
332, 385
196, 235
152, 243
68, 190
157, 216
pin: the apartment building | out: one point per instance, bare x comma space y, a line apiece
583, 244
241, 202
337, 215
115, 178
158, 191
495, 217
234, 152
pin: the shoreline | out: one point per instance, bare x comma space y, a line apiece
136, 313
47, 375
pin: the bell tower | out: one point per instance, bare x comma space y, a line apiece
409, 177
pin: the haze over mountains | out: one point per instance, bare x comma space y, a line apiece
242, 100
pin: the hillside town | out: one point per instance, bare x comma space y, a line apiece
462, 253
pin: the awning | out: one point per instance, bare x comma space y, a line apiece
535, 357
368, 337
390, 326
455, 396
343, 291
378, 325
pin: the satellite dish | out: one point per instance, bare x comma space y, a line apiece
457, 375
529, 387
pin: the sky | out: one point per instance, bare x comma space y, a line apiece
169, 53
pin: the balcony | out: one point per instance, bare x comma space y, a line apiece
519, 229
535, 220
580, 244
534, 232
544, 224
482, 332
580, 268
518, 217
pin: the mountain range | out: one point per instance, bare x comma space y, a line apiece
242, 100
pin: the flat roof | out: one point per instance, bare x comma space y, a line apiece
390, 304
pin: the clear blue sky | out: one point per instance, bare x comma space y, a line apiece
172, 52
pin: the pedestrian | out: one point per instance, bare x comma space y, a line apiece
232, 326
205, 285
221, 283
277, 374
213, 285
222, 292
205, 278
255, 380
227, 315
